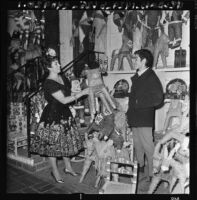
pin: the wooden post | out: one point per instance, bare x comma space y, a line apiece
65, 31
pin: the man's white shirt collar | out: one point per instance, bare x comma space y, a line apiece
141, 72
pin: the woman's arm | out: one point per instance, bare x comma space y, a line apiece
65, 100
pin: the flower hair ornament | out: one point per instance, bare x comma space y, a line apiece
51, 52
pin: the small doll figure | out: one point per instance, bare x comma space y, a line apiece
175, 110
119, 18
78, 107
161, 48
99, 152
100, 28
175, 19
97, 89
104, 124
124, 52
176, 92
110, 126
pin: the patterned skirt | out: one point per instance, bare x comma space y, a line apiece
57, 140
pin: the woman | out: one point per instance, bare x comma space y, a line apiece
57, 134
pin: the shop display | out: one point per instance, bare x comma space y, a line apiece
171, 162
99, 25
129, 24
161, 48
98, 89
97, 151
108, 140
171, 156
110, 126
117, 187
102, 152
29, 27
174, 111
174, 19
178, 109
26, 31
123, 52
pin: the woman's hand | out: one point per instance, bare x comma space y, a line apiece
85, 92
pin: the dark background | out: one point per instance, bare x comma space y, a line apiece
52, 30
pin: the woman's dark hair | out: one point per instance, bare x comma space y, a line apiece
48, 60
145, 54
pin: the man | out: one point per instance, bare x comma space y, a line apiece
146, 95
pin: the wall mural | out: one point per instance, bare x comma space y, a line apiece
118, 34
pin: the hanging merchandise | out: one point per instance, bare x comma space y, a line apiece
37, 33
30, 28
24, 25
175, 20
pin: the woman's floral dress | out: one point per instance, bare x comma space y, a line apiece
57, 133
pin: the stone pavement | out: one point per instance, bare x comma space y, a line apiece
41, 182
19, 181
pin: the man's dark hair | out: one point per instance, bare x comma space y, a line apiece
144, 53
